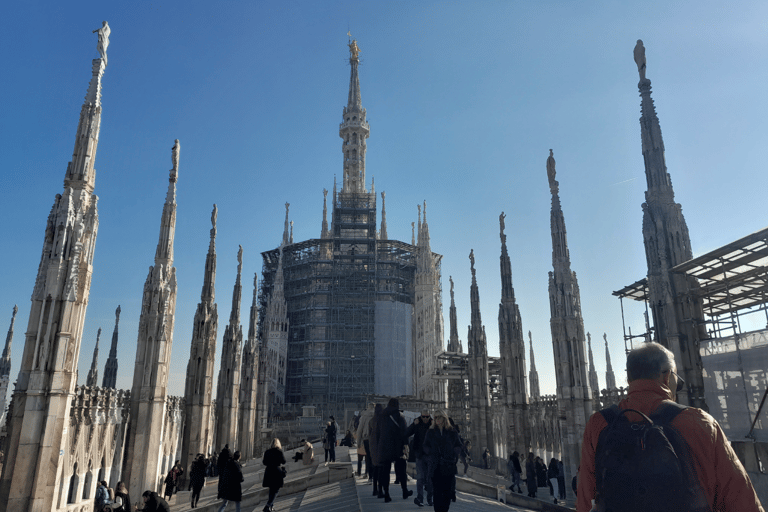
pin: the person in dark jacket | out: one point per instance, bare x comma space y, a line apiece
561, 479
221, 466
541, 472
197, 478
552, 478
390, 443
513, 466
401, 475
232, 489
418, 429
170, 483
530, 476
273, 474
442, 447
486, 459
123, 504
373, 444
331, 432
154, 503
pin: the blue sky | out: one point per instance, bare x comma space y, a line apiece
464, 101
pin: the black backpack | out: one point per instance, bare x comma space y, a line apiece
645, 466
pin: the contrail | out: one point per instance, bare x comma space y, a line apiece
625, 181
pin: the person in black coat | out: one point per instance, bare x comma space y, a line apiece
330, 434
391, 440
442, 447
231, 489
373, 444
154, 503
273, 474
197, 477
418, 429
530, 476
221, 466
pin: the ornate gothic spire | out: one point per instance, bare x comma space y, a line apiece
413, 233
164, 253
353, 131
610, 378
324, 231
481, 432
5, 361
93, 374
253, 318
208, 294
593, 383
533, 377
454, 343
286, 227
110, 369
384, 235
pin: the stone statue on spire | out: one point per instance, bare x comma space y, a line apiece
639, 54
553, 184
214, 215
450, 278
502, 226
103, 33
472, 260
175, 150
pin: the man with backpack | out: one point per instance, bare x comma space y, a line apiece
649, 453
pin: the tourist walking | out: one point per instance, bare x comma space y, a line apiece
515, 471
232, 476
274, 474
442, 447
465, 458
486, 459
197, 478
102, 497
326, 446
418, 429
373, 438
401, 476
154, 503
363, 432
221, 466
530, 476
552, 471
391, 440
561, 479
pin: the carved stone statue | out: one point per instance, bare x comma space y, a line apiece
354, 51
214, 215
117, 314
240, 259
640, 58
175, 155
551, 172
501, 222
103, 33
472, 259
450, 278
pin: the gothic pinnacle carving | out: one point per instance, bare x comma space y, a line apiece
110, 368
93, 374
5, 361
384, 235
286, 227
610, 378
353, 131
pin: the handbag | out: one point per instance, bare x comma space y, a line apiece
283, 471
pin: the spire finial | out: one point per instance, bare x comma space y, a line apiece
553, 184
639, 54
175, 150
413, 233
472, 262
450, 278
286, 227
103, 43
384, 235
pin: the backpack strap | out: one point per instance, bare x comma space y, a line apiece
611, 414
667, 412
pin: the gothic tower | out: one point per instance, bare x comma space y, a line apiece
248, 377
533, 377
574, 396
481, 430
5, 367
594, 385
610, 378
512, 352
678, 317
143, 462
110, 368
48, 374
354, 131
456, 390
228, 388
198, 388
275, 343
93, 374
427, 314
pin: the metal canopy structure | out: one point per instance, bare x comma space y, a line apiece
733, 277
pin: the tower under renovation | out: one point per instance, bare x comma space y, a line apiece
358, 319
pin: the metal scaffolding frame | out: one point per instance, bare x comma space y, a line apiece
331, 286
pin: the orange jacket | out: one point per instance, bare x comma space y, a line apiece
722, 476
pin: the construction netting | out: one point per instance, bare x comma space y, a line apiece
735, 380
393, 369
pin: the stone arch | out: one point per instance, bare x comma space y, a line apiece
88, 482
74, 481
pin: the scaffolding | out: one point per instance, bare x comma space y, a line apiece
331, 287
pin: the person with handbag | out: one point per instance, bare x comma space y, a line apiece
274, 474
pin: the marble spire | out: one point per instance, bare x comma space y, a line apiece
228, 388
93, 374
384, 235
593, 382
197, 436
610, 378
5, 361
512, 352
353, 131
481, 431
454, 343
144, 461
678, 324
456, 390
533, 377
48, 371
249, 380
287, 227
110, 368
324, 230
574, 395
